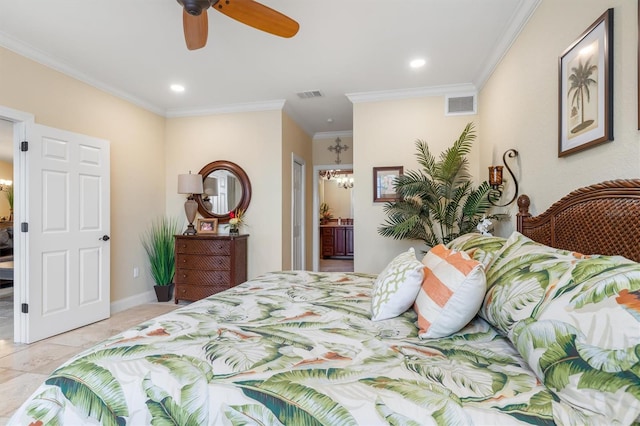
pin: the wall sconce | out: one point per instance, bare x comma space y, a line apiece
495, 180
190, 184
5, 184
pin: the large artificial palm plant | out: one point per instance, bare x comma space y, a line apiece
438, 203
158, 242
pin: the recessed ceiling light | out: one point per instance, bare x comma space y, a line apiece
178, 88
329, 120
417, 63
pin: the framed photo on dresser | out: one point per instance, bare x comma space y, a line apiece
207, 226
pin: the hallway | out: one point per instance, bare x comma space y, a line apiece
336, 265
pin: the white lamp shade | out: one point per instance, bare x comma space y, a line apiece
211, 186
190, 184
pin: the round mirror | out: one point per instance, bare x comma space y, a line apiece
226, 188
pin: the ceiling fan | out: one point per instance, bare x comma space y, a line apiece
249, 12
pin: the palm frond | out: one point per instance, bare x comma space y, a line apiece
424, 156
439, 202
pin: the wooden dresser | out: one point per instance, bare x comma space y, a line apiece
209, 263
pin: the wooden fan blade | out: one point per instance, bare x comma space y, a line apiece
258, 16
196, 29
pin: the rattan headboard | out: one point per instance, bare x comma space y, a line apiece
599, 219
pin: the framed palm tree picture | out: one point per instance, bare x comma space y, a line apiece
586, 89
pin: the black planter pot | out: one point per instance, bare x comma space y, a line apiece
163, 292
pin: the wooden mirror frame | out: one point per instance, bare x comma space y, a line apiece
245, 183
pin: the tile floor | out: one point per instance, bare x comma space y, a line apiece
24, 367
335, 265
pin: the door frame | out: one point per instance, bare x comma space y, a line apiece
21, 120
302, 207
315, 223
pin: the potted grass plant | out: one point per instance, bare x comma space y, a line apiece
158, 242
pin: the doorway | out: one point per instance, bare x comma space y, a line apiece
333, 219
6, 230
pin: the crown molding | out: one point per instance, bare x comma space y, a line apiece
519, 20
331, 135
42, 58
418, 92
228, 109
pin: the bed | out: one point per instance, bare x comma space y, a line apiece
556, 340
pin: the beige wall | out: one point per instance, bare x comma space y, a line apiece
322, 156
137, 153
338, 199
295, 141
6, 173
384, 134
519, 104
253, 140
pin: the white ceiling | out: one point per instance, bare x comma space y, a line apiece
135, 49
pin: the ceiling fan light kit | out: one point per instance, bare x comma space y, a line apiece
196, 25
194, 7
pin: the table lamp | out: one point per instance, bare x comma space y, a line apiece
190, 184
210, 190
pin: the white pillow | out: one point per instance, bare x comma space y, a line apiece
451, 293
395, 289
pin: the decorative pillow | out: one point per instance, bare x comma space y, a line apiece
451, 292
482, 248
396, 287
518, 278
575, 320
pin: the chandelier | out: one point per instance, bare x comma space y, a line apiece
328, 174
345, 182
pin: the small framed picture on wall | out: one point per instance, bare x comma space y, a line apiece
384, 179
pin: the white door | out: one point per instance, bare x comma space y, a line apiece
297, 215
67, 212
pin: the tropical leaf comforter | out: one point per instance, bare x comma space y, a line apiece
295, 348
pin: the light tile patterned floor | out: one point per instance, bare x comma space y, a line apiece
24, 367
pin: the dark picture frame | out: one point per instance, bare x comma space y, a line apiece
383, 183
585, 103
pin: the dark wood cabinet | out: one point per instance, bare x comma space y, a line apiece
348, 238
207, 264
337, 241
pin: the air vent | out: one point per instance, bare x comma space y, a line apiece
460, 105
310, 94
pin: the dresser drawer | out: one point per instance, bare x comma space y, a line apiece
199, 277
208, 264
197, 292
195, 261
204, 247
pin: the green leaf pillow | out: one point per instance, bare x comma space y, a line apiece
482, 248
575, 320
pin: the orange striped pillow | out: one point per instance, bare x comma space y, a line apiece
451, 294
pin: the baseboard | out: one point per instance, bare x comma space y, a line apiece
133, 301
